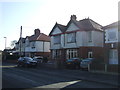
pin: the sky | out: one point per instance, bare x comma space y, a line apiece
43, 14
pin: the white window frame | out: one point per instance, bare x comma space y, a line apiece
71, 37
90, 54
57, 39
90, 36
71, 53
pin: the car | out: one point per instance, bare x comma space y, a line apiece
73, 63
26, 62
85, 62
38, 59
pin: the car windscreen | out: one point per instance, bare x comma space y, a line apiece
29, 59
69, 60
86, 61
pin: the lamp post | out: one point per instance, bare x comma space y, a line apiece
5, 54
5, 41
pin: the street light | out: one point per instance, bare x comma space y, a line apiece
5, 41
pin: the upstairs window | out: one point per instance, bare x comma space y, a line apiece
112, 36
33, 44
90, 36
71, 37
27, 43
57, 39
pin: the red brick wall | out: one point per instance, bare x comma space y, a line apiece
97, 52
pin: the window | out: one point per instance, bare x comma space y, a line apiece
112, 36
27, 43
113, 56
57, 39
33, 44
71, 37
90, 54
90, 36
71, 53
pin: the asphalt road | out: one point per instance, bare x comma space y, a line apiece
14, 77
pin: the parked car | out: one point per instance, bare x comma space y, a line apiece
26, 62
38, 59
85, 62
73, 63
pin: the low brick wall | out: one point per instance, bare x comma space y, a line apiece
112, 68
99, 67
104, 67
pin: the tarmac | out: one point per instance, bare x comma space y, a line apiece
94, 76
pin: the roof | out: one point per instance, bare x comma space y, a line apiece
85, 24
61, 27
115, 24
39, 37
89, 24
23, 40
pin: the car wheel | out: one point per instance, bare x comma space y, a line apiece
19, 65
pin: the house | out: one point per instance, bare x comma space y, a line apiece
83, 39
37, 44
20, 46
112, 43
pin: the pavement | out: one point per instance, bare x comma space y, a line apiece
98, 77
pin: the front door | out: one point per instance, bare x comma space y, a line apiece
113, 56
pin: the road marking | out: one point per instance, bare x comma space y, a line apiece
59, 85
9, 66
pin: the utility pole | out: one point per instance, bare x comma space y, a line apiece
20, 41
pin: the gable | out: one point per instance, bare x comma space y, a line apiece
72, 27
56, 31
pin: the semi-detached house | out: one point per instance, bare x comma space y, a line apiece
37, 44
112, 45
83, 39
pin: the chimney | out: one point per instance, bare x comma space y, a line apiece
36, 32
73, 17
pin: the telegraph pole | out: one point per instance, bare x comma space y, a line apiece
20, 41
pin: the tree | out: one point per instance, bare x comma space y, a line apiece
13, 43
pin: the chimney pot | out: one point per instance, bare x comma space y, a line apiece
73, 17
36, 31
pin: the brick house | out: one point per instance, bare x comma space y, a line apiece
83, 39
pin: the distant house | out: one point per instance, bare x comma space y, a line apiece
83, 39
112, 43
35, 45
20, 46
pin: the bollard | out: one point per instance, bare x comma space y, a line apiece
88, 67
105, 67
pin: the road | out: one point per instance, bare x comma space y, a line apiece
14, 77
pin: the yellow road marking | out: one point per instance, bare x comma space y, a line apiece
8, 66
